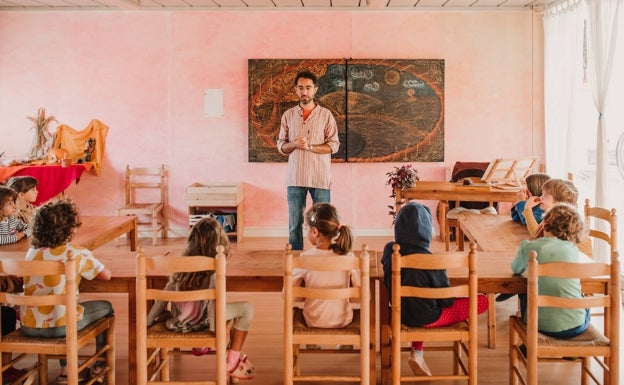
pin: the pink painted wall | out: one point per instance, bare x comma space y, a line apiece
143, 74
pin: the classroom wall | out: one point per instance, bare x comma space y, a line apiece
143, 74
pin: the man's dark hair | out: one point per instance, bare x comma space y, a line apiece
306, 75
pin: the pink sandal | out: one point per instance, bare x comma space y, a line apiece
245, 370
201, 351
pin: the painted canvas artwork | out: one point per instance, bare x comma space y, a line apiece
386, 110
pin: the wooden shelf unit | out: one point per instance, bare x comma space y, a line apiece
226, 198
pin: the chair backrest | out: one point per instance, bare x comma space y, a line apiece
469, 170
602, 224
610, 301
145, 178
162, 265
453, 260
293, 294
38, 268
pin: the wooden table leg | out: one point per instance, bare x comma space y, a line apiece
132, 340
384, 334
373, 332
133, 236
491, 321
460, 238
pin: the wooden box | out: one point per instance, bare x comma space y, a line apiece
225, 194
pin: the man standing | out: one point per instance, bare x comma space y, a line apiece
308, 135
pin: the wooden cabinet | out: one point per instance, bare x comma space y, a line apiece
222, 200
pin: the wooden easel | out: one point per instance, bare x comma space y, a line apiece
512, 172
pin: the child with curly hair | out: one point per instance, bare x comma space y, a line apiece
52, 229
563, 230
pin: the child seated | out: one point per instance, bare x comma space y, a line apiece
563, 230
534, 184
412, 231
204, 238
12, 229
328, 237
26, 189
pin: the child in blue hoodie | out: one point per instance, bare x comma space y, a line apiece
534, 184
413, 232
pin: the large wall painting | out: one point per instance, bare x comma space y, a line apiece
387, 110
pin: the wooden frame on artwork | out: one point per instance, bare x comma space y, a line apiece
386, 110
510, 171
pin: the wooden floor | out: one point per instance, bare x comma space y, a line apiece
264, 344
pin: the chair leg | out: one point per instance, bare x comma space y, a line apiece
163, 223
43, 369
513, 356
447, 230
154, 229
110, 353
385, 355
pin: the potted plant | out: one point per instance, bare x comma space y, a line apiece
400, 178
42, 140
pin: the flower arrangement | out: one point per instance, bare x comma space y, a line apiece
42, 138
401, 178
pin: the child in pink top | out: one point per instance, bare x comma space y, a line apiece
328, 237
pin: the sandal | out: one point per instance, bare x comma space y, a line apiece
201, 351
62, 378
95, 371
245, 370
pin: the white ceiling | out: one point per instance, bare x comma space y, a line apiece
289, 5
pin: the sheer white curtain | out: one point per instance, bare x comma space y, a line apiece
603, 21
584, 90
563, 52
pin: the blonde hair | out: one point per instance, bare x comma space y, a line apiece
564, 222
561, 190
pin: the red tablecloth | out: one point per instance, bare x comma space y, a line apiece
53, 179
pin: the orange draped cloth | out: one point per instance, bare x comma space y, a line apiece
74, 142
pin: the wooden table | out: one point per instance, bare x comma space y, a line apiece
491, 232
93, 233
451, 191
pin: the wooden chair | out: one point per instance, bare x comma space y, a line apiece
156, 343
463, 335
297, 333
69, 347
151, 182
590, 344
596, 231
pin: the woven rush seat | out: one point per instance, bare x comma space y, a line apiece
459, 327
17, 337
299, 325
590, 337
159, 330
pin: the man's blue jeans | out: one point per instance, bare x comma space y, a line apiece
296, 204
93, 310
